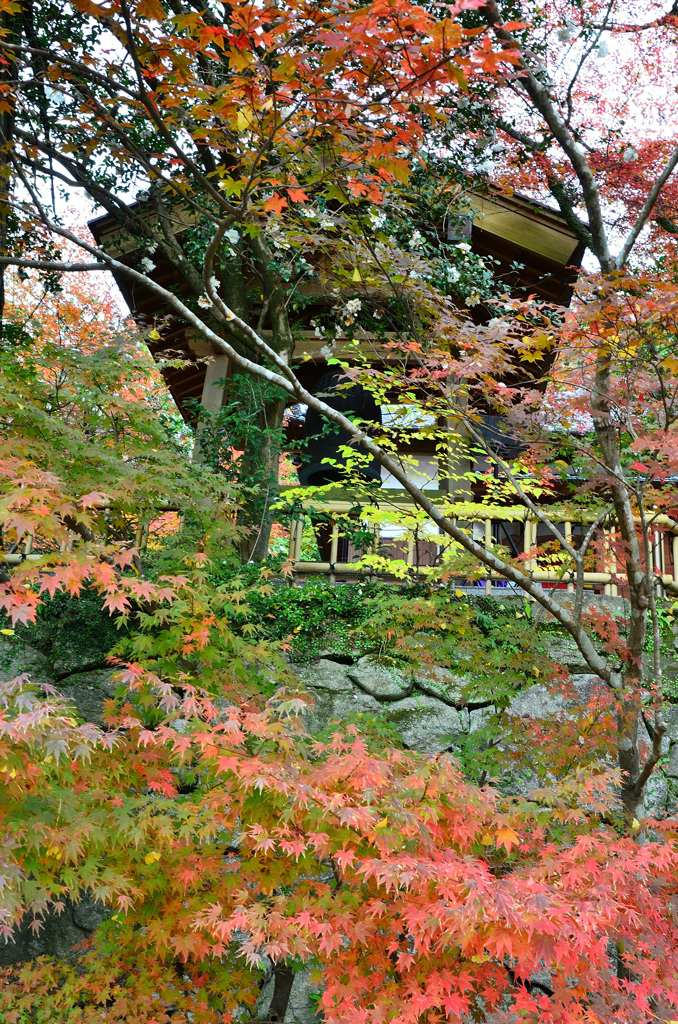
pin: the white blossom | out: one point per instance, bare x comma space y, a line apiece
377, 220
452, 274
463, 246
147, 265
214, 282
204, 302
326, 351
630, 155
232, 235
602, 48
326, 224
472, 300
338, 330
417, 239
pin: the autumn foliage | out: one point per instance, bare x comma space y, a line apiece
407, 890
225, 838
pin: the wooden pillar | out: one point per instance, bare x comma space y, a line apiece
212, 397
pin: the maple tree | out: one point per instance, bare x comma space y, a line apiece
223, 834
609, 930
228, 126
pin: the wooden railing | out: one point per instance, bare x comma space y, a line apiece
489, 522
492, 520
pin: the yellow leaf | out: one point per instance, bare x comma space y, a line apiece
383, 823
154, 335
151, 9
507, 838
487, 840
7, 632
150, 858
356, 275
635, 824
244, 119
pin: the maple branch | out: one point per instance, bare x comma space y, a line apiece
665, 19
542, 102
75, 526
647, 208
9, 261
585, 56
527, 501
288, 382
658, 733
86, 75
588, 537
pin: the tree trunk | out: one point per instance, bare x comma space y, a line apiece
282, 989
260, 478
11, 23
628, 753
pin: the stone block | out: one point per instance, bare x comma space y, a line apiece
88, 691
59, 935
329, 706
325, 675
537, 702
563, 651
386, 684
17, 658
440, 682
617, 606
425, 723
587, 686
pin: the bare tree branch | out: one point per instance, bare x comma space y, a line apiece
10, 261
647, 208
543, 103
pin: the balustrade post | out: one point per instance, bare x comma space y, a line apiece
488, 545
334, 542
613, 591
529, 543
568, 538
409, 558
658, 560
